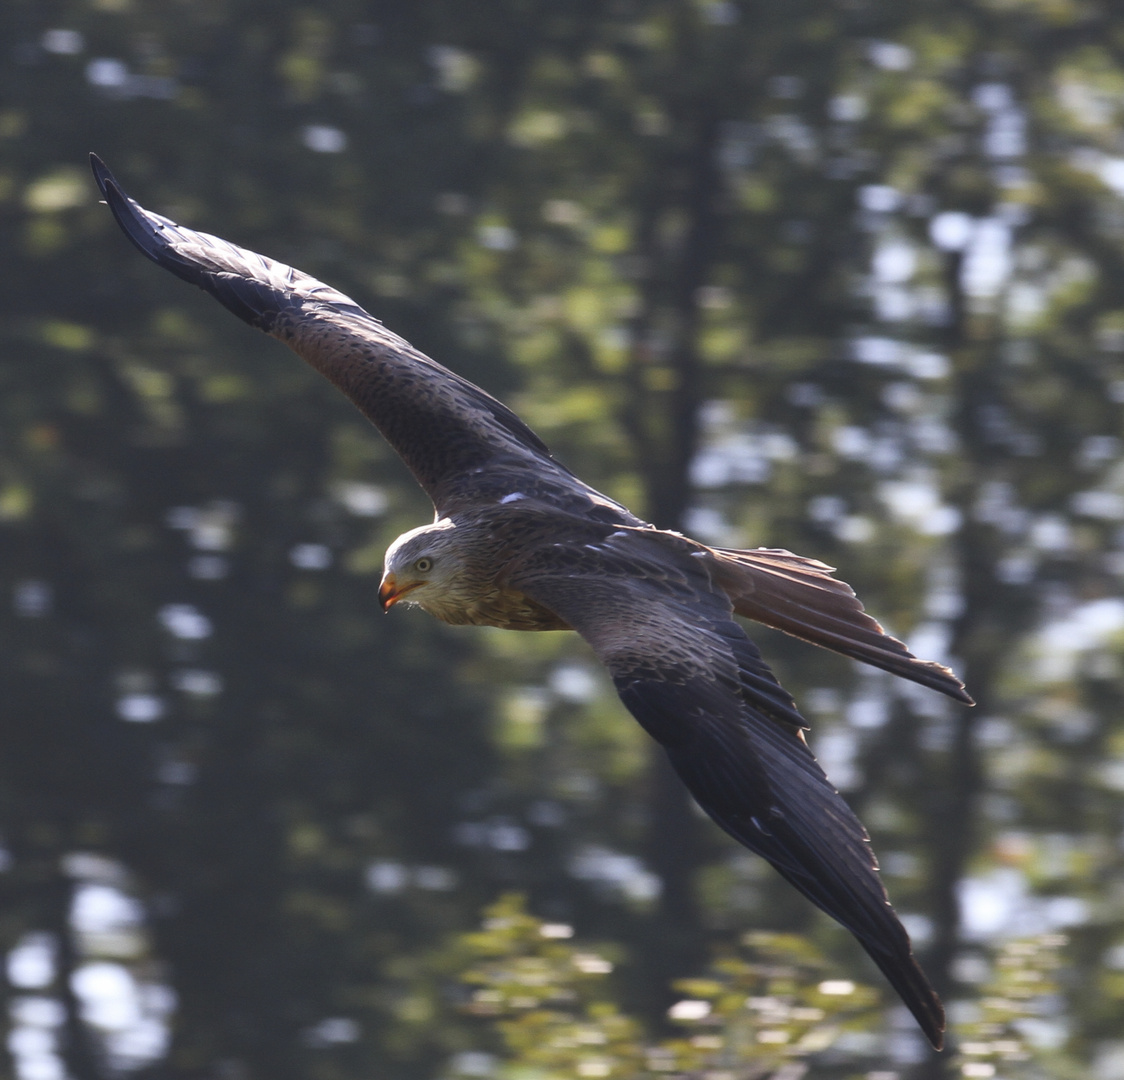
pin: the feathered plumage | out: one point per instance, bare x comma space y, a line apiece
520, 542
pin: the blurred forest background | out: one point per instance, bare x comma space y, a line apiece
842, 276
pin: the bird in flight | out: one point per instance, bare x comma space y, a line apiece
519, 542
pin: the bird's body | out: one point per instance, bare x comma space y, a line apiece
521, 543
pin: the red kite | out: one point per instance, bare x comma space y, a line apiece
520, 542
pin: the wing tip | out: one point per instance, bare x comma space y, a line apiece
132, 219
912, 986
102, 175
928, 1011
940, 677
930, 1018
107, 184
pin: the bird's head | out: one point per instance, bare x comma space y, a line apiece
422, 567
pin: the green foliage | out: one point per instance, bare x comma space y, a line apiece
767, 1009
770, 1003
548, 999
1022, 985
556, 1010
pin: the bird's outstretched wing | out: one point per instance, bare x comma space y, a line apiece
800, 597
698, 685
444, 428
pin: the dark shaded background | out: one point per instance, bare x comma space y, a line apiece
841, 277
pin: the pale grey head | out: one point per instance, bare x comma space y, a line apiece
428, 566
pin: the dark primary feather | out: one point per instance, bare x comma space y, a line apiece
697, 684
448, 431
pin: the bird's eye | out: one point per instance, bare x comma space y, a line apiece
423, 566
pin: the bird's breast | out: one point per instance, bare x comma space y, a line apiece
510, 610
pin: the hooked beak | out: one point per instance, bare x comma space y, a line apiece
390, 594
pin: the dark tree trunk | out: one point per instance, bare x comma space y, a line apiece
990, 616
668, 419
78, 1049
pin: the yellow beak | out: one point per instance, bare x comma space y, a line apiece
390, 594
